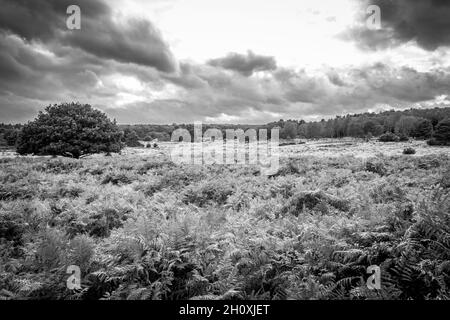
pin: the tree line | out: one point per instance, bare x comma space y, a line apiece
76, 130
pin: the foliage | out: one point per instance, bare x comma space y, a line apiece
389, 137
423, 129
130, 138
71, 130
145, 228
441, 135
409, 151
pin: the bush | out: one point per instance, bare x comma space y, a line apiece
216, 191
12, 227
71, 130
403, 138
58, 166
120, 178
409, 151
11, 136
376, 167
317, 200
389, 137
130, 138
433, 142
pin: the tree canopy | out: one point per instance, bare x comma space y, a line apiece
71, 130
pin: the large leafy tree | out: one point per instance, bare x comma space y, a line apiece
70, 129
442, 132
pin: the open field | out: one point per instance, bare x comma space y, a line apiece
141, 227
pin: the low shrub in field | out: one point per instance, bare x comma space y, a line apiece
16, 191
101, 224
376, 166
152, 165
428, 163
409, 151
209, 192
12, 227
58, 166
387, 192
95, 171
117, 178
314, 200
175, 178
389, 137
290, 167
94, 223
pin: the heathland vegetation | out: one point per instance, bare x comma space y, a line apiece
143, 227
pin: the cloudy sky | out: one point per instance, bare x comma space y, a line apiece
223, 61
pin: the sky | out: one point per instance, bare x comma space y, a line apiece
233, 61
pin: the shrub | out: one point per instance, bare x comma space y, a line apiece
15, 191
11, 136
287, 169
58, 166
209, 192
12, 227
386, 192
428, 163
314, 200
119, 178
409, 151
131, 139
102, 223
403, 138
376, 166
71, 130
389, 137
81, 251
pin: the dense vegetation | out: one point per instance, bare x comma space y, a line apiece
417, 123
69, 129
145, 228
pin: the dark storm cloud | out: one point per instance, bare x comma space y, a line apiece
245, 64
122, 67
136, 41
426, 21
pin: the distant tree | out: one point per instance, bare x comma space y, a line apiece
130, 138
372, 127
423, 129
302, 129
11, 136
71, 130
405, 125
355, 129
289, 131
441, 134
313, 130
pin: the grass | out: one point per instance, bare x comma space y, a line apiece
142, 227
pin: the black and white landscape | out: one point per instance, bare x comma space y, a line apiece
216, 150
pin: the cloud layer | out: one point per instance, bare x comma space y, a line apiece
245, 64
427, 22
124, 67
